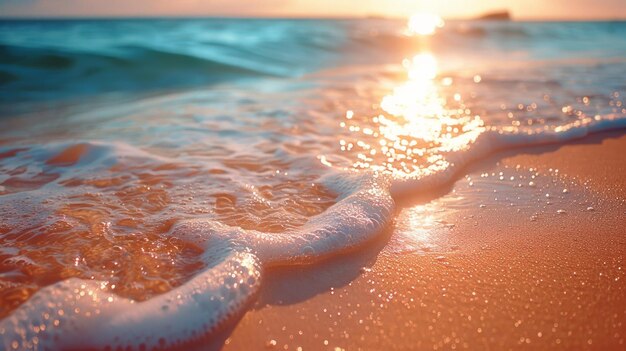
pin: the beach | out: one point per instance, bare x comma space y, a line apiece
496, 279
306, 184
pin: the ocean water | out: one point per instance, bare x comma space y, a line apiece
150, 170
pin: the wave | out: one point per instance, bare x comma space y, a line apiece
60, 59
75, 314
51, 72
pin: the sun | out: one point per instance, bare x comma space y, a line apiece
425, 23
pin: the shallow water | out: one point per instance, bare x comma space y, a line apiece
144, 154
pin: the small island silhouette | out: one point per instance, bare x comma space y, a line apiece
495, 16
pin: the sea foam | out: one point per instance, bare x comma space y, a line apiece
78, 314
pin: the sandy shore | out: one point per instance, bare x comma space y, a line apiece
532, 258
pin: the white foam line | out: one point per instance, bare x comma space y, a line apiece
79, 314
349, 223
75, 314
492, 141
195, 310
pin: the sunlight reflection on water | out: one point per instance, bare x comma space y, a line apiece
419, 125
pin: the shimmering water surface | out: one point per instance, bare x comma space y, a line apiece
121, 140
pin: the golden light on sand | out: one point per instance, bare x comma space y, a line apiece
425, 23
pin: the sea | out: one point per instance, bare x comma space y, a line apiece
152, 170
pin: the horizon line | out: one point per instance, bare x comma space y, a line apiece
301, 17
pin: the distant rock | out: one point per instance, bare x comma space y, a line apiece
496, 16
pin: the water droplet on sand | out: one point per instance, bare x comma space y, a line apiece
270, 344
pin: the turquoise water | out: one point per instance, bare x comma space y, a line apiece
65, 59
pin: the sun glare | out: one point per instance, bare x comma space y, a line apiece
418, 126
425, 23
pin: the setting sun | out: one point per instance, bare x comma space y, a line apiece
425, 23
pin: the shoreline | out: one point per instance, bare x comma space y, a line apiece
531, 279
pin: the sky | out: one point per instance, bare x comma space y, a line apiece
520, 9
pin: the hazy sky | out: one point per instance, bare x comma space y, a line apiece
557, 9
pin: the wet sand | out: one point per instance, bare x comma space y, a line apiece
495, 267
